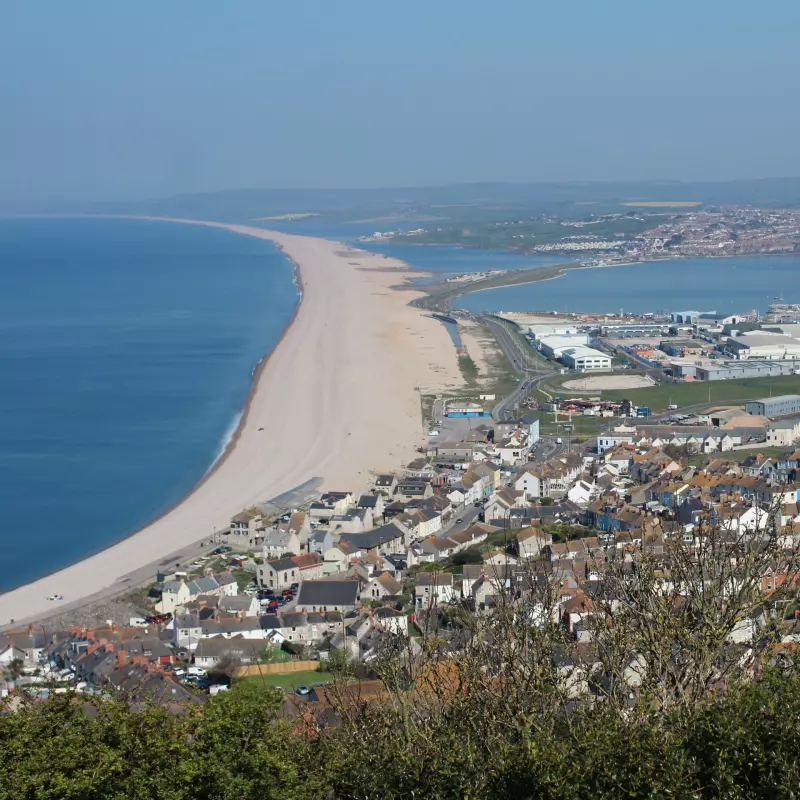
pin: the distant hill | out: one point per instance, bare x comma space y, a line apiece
472, 201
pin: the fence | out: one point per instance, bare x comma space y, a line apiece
279, 668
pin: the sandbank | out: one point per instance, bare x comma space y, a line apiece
336, 399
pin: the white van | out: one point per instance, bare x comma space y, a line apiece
196, 672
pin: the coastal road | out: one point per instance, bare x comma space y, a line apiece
524, 362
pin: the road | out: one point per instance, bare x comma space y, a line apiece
467, 515
522, 359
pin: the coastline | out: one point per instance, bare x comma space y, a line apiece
563, 269
244, 474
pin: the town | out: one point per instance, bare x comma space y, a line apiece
638, 235
465, 526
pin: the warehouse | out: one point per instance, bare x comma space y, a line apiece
622, 330
752, 368
775, 406
585, 359
765, 346
553, 346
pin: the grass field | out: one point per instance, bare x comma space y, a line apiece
685, 394
289, 680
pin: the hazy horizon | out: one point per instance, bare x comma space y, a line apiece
114, 103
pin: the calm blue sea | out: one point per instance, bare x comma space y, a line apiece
704, 284
126, 355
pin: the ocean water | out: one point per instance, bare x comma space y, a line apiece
737, 284
126, 354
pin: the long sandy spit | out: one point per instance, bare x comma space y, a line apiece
336, 399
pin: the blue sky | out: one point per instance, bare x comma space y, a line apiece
105, 100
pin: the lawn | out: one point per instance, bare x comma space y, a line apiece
709, 392
289, 680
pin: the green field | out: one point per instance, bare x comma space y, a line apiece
289, 680
684, 394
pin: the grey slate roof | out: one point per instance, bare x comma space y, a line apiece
374, 538
327, 593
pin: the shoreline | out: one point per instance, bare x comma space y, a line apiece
565, 268
236, 472
232, 440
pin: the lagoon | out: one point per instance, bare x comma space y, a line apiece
736, 284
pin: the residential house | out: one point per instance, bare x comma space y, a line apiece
385, 484
389, 621
210, 652
235, 627
246, 522
173, 595
328, 595
389, 538
339, 557
374, 503
241, 605
413, 489
582, 492
433, 588
280, 543
283, 572
531, 542
355, 520
186, 630
331, 504
298, 524
384, 585
500, 503
498, 558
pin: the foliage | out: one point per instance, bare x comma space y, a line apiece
472, 555
272, 654
663, 700
236, 746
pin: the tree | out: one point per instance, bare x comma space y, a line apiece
472, 555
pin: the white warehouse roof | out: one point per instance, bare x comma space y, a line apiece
585, 352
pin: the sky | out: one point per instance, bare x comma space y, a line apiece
119, 101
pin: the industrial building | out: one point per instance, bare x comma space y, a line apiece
708, 320
622, 330
585, 359
689, 317
554, 345
774, 406
764, 345
735, 370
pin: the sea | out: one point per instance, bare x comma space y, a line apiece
127, 350
736, 285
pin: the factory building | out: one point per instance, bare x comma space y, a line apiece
585, 359
735, 370
774, 406
553, 346
765, 346
623, 330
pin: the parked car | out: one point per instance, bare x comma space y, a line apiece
158, 618
302, 690
286, 593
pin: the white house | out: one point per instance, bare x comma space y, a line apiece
433, 588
